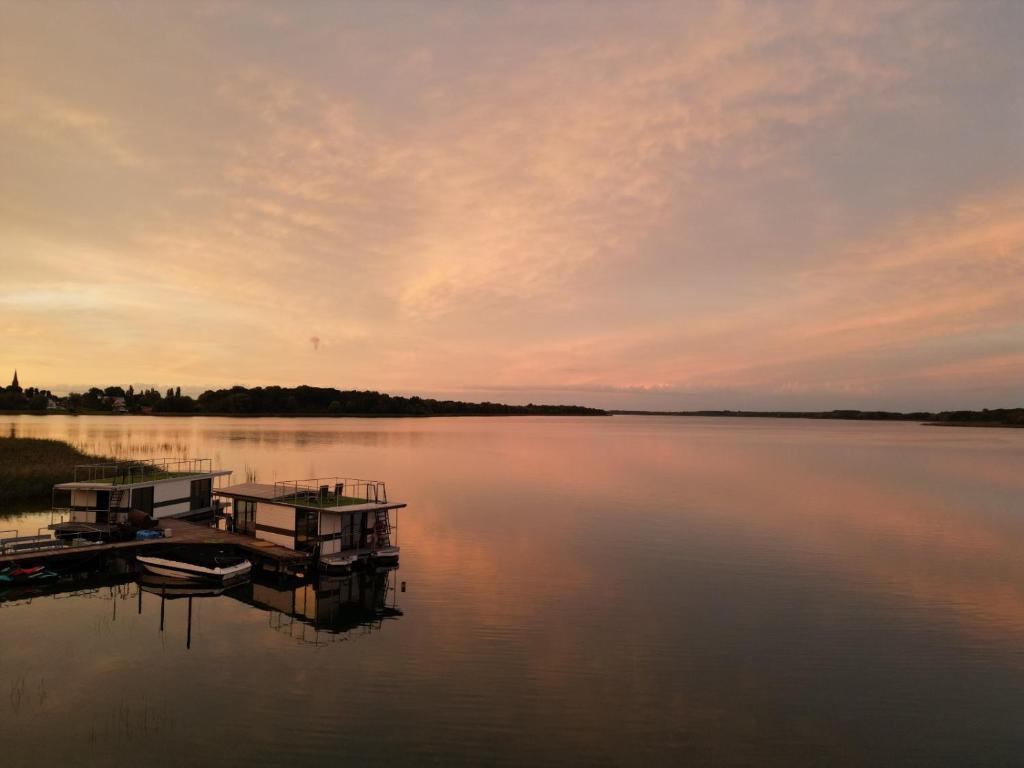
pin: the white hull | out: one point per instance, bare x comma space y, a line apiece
176, 569
335, 562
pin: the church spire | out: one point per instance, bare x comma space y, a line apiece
14, 384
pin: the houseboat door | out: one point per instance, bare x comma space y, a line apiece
364, 537
306, 525
349, 535
102, 506
245, 517
142, 499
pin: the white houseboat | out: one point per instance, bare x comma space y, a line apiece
103, 495
339, 521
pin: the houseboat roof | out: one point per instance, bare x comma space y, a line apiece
254, 491
103, 485
134, 473
309, 496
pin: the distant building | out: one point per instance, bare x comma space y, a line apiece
15, 386
117, 404
51, 404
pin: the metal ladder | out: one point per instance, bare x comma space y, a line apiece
117, 506
382, 528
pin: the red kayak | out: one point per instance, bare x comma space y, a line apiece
16, 572
19, 575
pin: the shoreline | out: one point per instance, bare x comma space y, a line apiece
986, 418
985, 424
309, 415
736, 415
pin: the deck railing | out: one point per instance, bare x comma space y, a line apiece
331, 491
27, 542
140, 471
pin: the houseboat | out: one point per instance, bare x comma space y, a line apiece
103, 497
338, 521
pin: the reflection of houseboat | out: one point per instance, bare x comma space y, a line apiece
337, 520
102, 496
335, 606
331, 610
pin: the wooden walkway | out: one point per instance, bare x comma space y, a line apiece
262, 553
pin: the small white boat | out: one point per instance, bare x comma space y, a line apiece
385, 554
338, 563
196, 564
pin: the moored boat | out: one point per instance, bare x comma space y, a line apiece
108, 502
341, 523
337, 564
196, 563
385, 555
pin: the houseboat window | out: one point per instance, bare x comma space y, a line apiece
142, 499
245, 516
202, 492
305, 528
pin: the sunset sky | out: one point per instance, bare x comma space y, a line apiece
637, 205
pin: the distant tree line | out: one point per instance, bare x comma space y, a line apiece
29, 399
14, 398
254, 401
327, 401
335, 402
1003, 416
1010, 416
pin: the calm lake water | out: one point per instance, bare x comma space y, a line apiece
603, 591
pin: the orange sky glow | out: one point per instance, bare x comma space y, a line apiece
653, 205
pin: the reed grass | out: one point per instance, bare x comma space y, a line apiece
29, 466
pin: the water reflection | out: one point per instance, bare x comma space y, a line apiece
323, 611
332, 609
610, 591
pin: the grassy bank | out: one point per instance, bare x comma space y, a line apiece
29, 467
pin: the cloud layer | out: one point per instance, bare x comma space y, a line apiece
738, 205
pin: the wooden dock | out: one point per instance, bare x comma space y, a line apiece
264, 555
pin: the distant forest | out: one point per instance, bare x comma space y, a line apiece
255, 401
1005, 417
331, 402
327, 401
